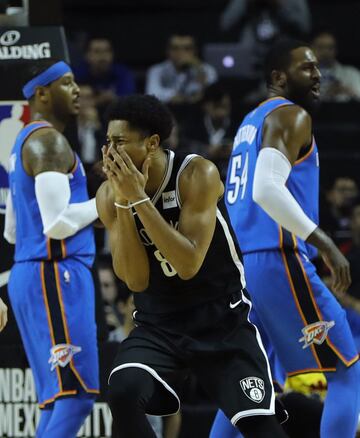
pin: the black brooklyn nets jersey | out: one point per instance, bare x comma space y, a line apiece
222, 271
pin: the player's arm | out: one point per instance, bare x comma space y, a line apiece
48, 157
286, 132
172, 426
10, 221
3, 315
130, 261
349, 301
185, 248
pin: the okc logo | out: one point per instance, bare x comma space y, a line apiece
316, 333
61, 355
253, 388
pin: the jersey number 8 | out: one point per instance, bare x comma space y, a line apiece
167, 268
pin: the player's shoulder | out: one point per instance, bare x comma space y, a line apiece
105, 191
200, 176
200, 169
46, 141
47, 137
289, 116
46, 149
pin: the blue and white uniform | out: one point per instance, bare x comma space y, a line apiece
306, 325
51, 288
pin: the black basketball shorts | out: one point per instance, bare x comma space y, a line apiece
217, 343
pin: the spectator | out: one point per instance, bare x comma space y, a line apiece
335, 218
107, 78
89, 126
182, 77
178, 142
339, 83
262, 21
213, 128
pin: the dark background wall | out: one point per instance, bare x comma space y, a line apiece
140, 27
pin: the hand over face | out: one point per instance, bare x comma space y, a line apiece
127, 181
109, 169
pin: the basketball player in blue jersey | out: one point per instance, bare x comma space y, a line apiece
51, 290
272, 198
173, 247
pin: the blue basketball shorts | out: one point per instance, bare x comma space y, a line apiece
298, 314
54, 307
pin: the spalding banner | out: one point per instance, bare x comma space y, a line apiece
32, 43
24, 44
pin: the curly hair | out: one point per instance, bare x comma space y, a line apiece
279, 56
144, 113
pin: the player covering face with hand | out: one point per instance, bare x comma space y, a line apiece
168, 231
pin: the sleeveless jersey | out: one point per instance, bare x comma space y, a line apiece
254, 228
221, 272
31, 243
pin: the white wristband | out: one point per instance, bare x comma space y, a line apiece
140, 202
130, 205
125, 207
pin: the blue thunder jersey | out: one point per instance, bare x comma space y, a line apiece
31, 243
254, 228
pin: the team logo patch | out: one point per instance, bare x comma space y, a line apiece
169, 199
61, 355
316, 333
253, 388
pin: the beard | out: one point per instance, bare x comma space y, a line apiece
303, 97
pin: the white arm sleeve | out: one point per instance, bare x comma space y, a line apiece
60, 218
10, 221
270, 192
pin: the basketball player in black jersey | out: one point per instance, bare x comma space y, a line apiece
172, 246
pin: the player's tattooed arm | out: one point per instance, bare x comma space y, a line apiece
47, 150
289, 130
130, 261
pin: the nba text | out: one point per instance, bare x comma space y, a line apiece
19, 412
